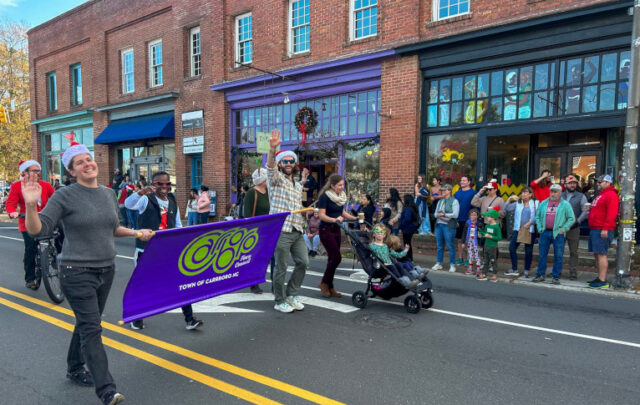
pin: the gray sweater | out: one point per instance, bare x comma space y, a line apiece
90, 217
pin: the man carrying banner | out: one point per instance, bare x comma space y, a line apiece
157, 213
286, 195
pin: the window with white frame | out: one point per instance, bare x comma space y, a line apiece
363, 18
443, 9
126, 60
155, 63
194, 53
244, 38
299, 26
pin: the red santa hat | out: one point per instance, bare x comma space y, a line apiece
72, 151
286, 153
493, 183
25, 164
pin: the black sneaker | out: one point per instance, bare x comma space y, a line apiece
556, 281
256, 289
31, 285
595, 280
112, 398
539, 278
194, 324
82, 378
137, 325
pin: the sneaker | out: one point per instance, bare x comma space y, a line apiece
82, 378
31, 285
469, 271
136, 325
573, 275
112, 398
256, 289
538, 279
452, 269
437, 266
595, 280
555, 280
598, 284
481, 277
526, 274
194, 324
295, 302
511, 273
283, 307
459, 261
494, 279
466, 262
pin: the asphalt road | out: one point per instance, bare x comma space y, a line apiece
481, 343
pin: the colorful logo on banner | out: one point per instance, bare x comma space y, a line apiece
218, 250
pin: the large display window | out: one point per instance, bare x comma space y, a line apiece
451, 156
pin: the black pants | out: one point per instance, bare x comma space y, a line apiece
30, 252
406, 239
87, 289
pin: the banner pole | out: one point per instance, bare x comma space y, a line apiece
302, 210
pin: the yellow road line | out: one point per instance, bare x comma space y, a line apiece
158, 361
230, 368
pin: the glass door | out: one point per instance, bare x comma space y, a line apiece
586, 166
553, 161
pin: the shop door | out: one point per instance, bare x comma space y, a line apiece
584, 164
143, 170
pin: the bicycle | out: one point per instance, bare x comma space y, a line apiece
46, 268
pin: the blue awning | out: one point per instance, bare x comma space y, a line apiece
134, 129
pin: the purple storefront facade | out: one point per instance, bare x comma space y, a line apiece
346, 95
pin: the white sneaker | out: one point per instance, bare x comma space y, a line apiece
437, 266
295, 302
283, 307
452, 268
512, 273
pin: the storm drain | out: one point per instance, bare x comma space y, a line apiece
383, 321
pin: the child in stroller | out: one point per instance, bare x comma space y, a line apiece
415, 272
382, 251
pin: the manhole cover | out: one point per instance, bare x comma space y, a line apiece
383, 321
360, 275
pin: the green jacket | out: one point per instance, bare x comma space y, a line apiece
563, 221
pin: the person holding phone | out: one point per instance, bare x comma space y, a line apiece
542, 185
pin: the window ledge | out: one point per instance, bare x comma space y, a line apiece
155, 87
192, 78
450, 20
306, 54
239, 68
360, 41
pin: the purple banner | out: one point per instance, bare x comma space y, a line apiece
186, 265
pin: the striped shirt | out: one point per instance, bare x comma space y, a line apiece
285, 196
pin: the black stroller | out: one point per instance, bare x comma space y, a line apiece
382, 282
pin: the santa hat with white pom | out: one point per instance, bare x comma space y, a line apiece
72, 151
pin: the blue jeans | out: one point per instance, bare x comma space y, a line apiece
546, 239
192, 218
445, 235
203, 217
133, 218
124, 218
528, 252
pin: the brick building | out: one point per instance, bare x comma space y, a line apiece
188, 86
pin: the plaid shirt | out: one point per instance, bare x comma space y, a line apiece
285, 196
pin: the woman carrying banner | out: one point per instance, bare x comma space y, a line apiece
89, 215
157, 210
331, 203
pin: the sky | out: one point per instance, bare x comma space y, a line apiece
35, 12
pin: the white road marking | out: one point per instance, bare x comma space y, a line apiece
9, 237
8, 227
218, 304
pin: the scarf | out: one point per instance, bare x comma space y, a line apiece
339, 200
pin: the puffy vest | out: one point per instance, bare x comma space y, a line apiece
151, 218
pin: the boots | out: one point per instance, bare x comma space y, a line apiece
324, 289
573, 275
334, 293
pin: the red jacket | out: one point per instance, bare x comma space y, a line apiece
16, 201
541, 193
604, 210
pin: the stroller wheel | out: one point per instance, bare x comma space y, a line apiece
427, 299
412, 304
359, 299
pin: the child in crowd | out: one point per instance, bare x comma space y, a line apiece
386, 216
414, 272
382, 251
470, 238
492, 235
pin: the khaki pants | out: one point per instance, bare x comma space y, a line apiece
289, 243
573, 238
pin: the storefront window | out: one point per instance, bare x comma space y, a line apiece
55, 143
354, 114
363, 172
451, 157
584, 85
507, 162
246, 164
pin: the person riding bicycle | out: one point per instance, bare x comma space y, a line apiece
90, 217
15, 206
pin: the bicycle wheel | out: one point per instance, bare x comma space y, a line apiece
50, 273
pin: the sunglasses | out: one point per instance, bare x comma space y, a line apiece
288, 161
382, 231
162, 183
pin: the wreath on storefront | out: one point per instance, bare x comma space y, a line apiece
306, 121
